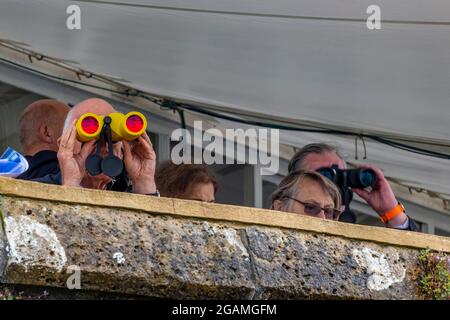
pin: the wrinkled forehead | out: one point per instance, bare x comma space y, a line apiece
315, 161
98, 107
311, 190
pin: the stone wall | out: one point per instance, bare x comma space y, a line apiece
143, 246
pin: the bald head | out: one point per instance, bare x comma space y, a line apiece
99, 107
41, 124
93, 105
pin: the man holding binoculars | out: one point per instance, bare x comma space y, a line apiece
326, 160
96, 145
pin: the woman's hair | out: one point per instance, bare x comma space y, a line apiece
173, 180
288, 187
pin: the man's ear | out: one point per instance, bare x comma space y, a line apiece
58, 142
45, 133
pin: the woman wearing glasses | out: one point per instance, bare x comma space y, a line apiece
308, 193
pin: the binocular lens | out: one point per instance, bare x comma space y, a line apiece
350, 178
122, 127
90, 125
361, 178
368, 178
134, 123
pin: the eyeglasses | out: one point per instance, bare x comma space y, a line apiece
314, 209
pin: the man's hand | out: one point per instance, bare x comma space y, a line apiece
381, 198
140, 163
71, 161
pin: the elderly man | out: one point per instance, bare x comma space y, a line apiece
40, 127
381, 197
139, 157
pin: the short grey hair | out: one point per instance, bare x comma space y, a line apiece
43, 111
297, 161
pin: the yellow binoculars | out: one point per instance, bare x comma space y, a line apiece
123, 126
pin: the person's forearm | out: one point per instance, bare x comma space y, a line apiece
398, 221
70, 183
68, 179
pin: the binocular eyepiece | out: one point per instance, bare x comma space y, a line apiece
123, 126
351, 178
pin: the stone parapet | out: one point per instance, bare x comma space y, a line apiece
129, 244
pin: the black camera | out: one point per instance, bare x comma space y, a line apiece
345, 180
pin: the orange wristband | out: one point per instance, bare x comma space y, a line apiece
391, 214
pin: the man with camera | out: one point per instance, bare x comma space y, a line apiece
325, 158
139, 158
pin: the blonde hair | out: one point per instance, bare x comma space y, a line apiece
288, 187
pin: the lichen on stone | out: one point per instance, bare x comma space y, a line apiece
434, 275
30, 242
381, 274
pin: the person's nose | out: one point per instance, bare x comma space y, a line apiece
321, 214
104, 150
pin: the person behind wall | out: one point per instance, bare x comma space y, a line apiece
380, 198
40, 127
138, 156
308, 193
186, 181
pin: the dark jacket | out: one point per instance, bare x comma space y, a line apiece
53, 178
41, 164
121, 183
412, 225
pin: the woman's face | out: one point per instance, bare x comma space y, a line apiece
311, 193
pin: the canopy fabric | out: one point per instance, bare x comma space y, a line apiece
301, 60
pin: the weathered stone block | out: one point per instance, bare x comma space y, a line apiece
292, 265
125, 244
120, 251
